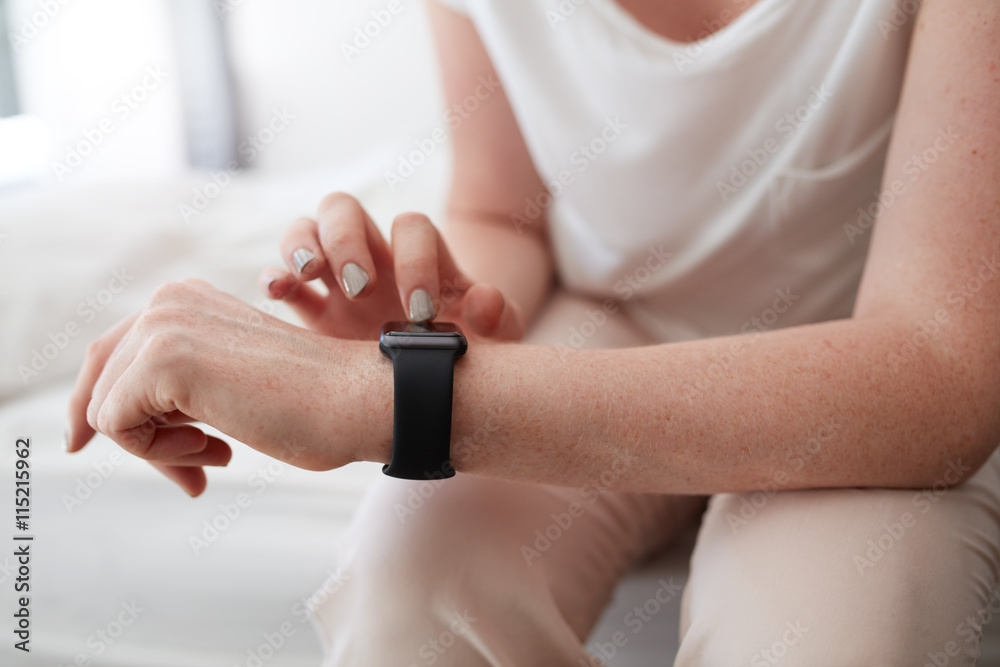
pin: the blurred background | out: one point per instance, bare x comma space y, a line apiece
143, 141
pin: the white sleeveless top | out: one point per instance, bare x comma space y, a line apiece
713, 187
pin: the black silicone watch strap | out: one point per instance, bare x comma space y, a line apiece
421, 433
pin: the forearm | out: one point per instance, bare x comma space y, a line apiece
827, 405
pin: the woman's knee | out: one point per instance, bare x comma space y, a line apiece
405, 590
839, 577
437, 572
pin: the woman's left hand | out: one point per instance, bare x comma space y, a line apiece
197, 354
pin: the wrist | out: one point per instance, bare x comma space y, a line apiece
476, 419
370, 373
479, 408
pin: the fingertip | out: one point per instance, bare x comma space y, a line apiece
483, 309
284, 289
217, 452
354, 280
307, 262
197, 483
266, 281
192, 480
224, 459
421, 306
77, 434
277, 284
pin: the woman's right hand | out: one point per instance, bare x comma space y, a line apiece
371, 283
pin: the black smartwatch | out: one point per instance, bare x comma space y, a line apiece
423, 358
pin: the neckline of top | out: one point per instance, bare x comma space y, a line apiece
645, 35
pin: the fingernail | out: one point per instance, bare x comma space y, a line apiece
270, 286
421, 306
302, 257
355, 279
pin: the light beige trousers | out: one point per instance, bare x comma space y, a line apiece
473, 572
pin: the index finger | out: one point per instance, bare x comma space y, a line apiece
426, 273
352, 244
78, 431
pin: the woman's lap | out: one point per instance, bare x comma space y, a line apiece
530, 567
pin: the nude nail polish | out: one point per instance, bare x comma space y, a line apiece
302, 257
421, 306
355, 279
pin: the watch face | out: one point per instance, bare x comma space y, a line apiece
420, 328
422, 336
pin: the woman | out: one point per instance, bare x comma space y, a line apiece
674, 199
